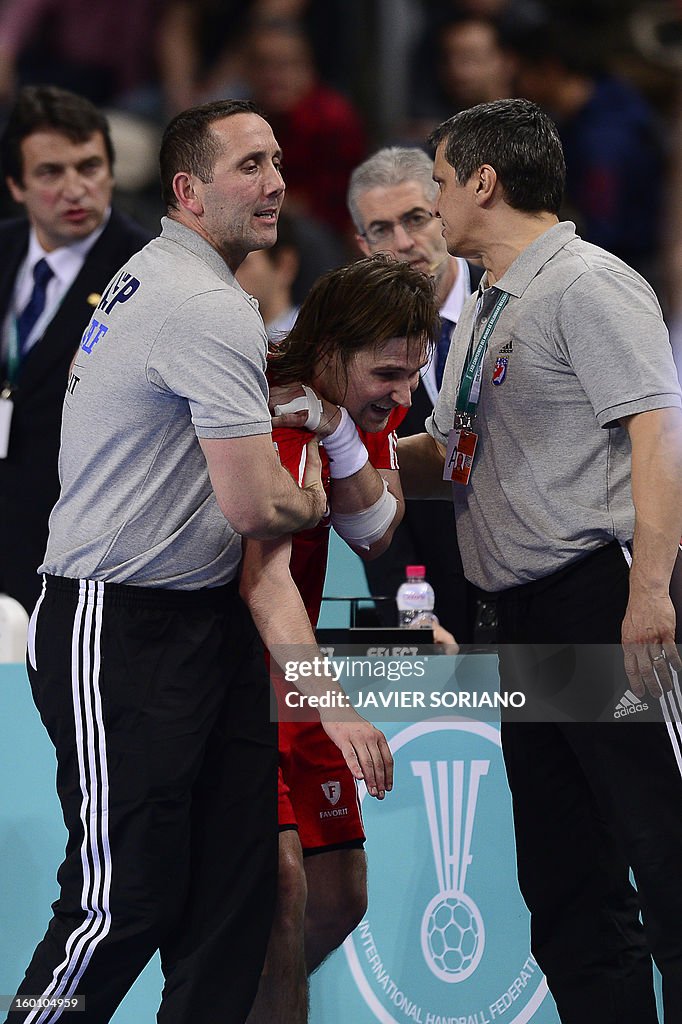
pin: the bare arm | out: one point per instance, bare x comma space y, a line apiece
649, 623
358, 492
282, 621
421, 468
255, 493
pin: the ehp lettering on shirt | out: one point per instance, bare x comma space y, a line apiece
120, 290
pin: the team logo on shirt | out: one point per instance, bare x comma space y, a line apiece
332, 791
500, 370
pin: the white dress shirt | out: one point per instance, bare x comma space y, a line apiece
65, 264
451, 310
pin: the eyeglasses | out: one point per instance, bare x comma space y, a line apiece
384, 230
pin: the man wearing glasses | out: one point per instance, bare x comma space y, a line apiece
390, 197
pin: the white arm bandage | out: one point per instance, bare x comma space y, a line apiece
362, 529
308, 402
347, 454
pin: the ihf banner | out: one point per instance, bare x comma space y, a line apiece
446, 936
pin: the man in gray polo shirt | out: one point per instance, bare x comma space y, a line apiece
561, 394
144, 663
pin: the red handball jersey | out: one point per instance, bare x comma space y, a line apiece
309, 548
310, 764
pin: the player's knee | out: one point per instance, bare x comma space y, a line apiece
342, 908
353, 908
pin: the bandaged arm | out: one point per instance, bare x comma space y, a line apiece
367, 503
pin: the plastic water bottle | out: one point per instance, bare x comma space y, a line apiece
415, 600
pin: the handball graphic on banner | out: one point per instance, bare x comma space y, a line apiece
452, 933
446, 937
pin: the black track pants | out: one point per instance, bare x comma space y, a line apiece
591, 802
157, 703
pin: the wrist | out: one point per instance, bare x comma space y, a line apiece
347, 454
329, 421
647, 582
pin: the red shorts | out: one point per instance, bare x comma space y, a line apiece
317, 792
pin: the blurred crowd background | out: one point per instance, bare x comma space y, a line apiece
340, 78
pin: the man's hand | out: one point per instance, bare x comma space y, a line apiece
365, 750
312, 478
445, 639
283, 394
648, 636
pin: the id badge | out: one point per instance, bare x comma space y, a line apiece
459, 455
6, 410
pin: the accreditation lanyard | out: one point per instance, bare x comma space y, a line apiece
462, 440
9, 386
470, 384
6, 403
13, 354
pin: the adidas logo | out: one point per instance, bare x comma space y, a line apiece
507, 349
629, 705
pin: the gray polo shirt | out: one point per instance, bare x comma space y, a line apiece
175, 351
584, 342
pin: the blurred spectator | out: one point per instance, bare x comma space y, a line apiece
101, 50
321, 134
200, 50
473, 66
460, 62
280, 277
611, 138
657, 37
201, 44
269, 275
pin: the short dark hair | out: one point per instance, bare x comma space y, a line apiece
189, 145
361, 305
45, 107
519, 140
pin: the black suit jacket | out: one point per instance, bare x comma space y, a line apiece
29, 484
427, 536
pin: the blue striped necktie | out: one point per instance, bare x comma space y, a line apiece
27, 319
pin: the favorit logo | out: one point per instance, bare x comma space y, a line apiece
446, 936
629, 705
332, 791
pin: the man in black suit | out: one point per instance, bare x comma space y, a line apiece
57, 159
390, 198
